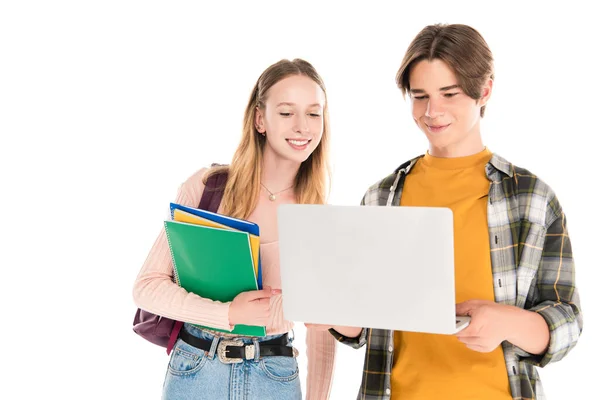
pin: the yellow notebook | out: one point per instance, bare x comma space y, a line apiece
182, 216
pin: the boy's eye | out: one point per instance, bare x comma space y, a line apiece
285, 114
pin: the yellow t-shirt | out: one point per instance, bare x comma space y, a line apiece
430, 366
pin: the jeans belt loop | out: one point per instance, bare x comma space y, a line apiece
213, 347
256, 350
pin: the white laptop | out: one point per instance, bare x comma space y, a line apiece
367, 266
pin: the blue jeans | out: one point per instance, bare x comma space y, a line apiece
199, 375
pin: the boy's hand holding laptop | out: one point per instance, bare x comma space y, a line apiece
484, 333
492, 323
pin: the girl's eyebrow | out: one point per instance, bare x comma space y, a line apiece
285, 103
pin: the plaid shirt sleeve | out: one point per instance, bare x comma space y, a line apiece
556, 298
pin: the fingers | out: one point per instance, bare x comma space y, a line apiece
256, 312
261, 321
478, 348
469, 339
264, 302
251, 308
478, 343
467, 332
265, 293
262, 307
473, 343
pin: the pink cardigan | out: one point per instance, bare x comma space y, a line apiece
155, 291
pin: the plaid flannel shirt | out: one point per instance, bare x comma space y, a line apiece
532, 268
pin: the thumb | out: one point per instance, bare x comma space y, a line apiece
265, 293
464, 308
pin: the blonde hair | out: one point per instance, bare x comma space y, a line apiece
243, 183
461, 47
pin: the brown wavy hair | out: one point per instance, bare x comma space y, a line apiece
461, 47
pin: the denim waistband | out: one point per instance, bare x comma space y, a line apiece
202, 334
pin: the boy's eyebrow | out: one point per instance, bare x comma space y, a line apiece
449, 87
441, 89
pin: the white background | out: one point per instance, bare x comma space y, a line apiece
107, 106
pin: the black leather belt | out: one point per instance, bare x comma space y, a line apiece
235, 351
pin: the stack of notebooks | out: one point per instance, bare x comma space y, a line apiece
215, 256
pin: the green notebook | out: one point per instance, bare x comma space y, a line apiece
213, 263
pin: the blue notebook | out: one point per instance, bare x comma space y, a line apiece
235, 223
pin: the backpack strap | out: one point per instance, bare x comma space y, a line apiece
213, 192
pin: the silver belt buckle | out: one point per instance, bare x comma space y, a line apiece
221, 351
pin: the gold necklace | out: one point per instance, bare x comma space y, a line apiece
272, 196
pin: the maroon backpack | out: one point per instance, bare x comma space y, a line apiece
163, 331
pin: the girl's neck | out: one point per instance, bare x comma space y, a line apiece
278, 174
